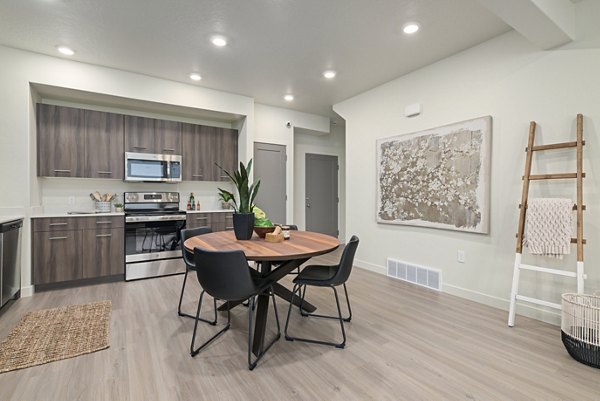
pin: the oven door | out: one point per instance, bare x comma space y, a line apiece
150, 238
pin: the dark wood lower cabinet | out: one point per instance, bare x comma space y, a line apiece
74, 248
56, 256
217, 221
103, 252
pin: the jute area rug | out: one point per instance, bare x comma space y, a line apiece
53, 334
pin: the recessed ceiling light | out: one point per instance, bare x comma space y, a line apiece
288, 98
67, 51
329, 74
219, 41
411, 28
195, 76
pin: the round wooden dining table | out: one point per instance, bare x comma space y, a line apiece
301, 245
276, 261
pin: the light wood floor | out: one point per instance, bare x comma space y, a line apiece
404, 343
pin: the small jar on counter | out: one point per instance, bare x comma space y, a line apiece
285, 230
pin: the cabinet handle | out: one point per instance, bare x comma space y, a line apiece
53, 238
104, 172
61, 171
201, 218
139, 147
104, 222
169, 149
224, 176
229, 228
57, 224
103, 235
197, 175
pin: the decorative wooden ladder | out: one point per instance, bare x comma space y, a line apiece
527, 178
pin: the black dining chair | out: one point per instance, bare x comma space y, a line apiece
325, 276
188, 258
225, 275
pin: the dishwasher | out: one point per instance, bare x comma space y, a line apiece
10, 266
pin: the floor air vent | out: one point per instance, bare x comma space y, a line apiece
423, 276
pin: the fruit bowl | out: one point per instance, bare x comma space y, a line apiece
262, 231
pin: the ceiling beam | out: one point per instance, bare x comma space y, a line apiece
545, 23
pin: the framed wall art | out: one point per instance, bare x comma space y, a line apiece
437, 178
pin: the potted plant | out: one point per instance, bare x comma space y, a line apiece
243, 216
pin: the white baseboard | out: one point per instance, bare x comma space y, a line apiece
531, 311
547, 316
27, 291
370, 266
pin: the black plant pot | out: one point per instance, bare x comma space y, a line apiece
243, 225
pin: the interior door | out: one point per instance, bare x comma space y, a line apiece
270, 167
322, 194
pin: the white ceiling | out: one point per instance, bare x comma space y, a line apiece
275, 46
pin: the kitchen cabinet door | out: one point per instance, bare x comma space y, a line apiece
198, 151
104, 145
227, 152
139, 134
103, 252
167, 137
228, 220
195, 220
56, 256
60, 141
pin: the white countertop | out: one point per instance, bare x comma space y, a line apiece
65, 214
4, 219
209, 211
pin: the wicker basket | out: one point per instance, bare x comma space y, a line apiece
580, 327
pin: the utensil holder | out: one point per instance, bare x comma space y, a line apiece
103, 207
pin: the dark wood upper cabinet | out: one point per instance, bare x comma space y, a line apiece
104, 145
196, 153
60, 141
204, 147
227, 152
85, 143
139, 134
167, 137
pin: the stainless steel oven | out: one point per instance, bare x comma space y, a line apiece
153, 224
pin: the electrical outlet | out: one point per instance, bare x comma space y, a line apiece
71, 200
460, 256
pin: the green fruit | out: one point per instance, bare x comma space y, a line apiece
259, 213
262, 222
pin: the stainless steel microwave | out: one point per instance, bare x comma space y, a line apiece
152, 167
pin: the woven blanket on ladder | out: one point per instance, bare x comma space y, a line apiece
548, 226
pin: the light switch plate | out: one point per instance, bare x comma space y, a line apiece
460, 256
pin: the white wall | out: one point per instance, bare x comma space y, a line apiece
270, 127
513, 82
332, 145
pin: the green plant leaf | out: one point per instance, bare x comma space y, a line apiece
247, 193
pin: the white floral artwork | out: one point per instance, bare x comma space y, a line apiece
437, 178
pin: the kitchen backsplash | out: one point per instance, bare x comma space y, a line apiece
60, 195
